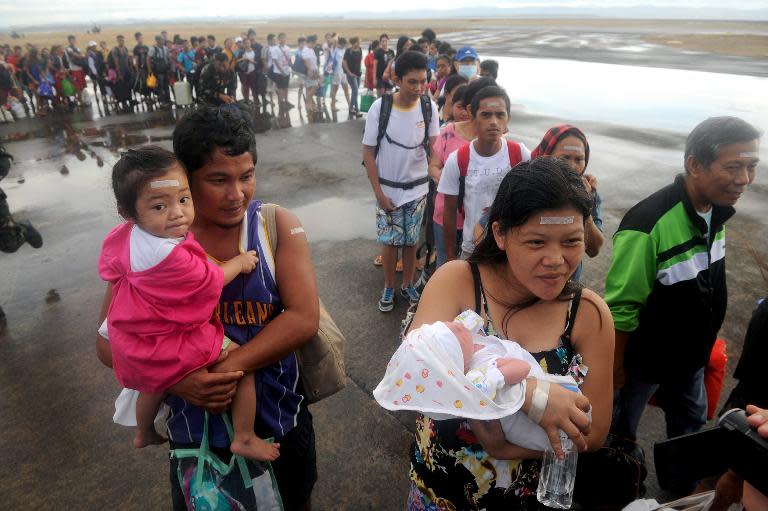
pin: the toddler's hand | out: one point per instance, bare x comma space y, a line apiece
248, 261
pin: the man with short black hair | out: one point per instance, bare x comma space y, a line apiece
280, 70
311, 80
270, 313
77, 62
218, 83
399, 133
159, 64
140, 52
666, 286
211, 49
489, 68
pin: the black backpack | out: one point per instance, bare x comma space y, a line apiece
386, 110
160, 60
6, 80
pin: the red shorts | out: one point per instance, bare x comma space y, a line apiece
78, 79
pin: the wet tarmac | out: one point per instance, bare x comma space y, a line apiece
59, 446
626, 46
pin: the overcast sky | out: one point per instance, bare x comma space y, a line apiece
38, 12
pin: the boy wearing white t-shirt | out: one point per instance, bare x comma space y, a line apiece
397, 169
481, 165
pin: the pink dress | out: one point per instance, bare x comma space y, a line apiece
447, 142
160, 322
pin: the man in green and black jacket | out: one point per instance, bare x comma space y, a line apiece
666, 286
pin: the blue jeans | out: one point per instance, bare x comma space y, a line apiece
354, 85
440, 243
683, 400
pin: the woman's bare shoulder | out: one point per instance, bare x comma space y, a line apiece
593, 317
448, 292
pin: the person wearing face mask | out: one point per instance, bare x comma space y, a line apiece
466, 62
569, 144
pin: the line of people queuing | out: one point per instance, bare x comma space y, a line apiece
511, 227
515, 226
34, 80
40, 79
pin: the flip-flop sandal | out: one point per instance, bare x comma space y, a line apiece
377, 261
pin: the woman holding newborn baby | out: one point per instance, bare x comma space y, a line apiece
519, 280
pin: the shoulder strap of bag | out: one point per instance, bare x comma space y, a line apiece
384, 113
268, 211
462, 158
426, 112
515, 154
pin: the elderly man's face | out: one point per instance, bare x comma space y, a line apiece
724, 181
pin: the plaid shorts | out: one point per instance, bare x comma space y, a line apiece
401, 226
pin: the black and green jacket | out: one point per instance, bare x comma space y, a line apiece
666, 285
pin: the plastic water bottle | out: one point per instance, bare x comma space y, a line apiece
557, 477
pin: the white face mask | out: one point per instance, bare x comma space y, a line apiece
468, 71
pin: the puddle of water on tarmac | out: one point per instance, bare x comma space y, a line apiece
645, 97
337, 219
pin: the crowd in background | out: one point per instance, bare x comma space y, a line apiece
455, 170
144, 72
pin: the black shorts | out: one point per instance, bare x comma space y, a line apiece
281, 81
295, 469
383, 84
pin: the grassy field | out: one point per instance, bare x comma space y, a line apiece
686, 35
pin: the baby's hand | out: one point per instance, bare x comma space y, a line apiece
248, 261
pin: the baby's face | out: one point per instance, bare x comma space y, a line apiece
164, 206
464, 337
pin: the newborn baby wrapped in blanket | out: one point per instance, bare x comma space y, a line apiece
445, 374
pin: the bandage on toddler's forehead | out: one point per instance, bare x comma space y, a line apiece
164, 183
556, 220
748, 155
576, 148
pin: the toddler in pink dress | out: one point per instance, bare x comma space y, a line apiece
160, 321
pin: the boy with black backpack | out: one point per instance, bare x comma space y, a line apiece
399, 133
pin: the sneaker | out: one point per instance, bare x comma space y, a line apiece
410, 294
32, 235
387, 301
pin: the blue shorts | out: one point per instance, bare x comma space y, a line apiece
401, 226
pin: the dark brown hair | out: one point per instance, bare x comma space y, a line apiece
133, 170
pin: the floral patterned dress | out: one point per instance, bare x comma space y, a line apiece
451, 471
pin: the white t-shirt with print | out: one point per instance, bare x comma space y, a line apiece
280, 59
484, 175
396, 163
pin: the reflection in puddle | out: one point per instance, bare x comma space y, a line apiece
337, 219
645, 97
